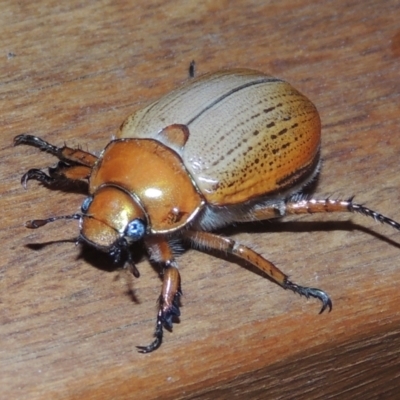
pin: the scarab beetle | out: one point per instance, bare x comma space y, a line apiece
227, 147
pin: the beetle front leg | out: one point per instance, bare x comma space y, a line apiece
168, 307
70, 172
82, 162
67, 154
171, 291
59, 174
206, 240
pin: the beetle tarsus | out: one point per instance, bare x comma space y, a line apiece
311, 292
164, 320
37, 175
36, 142
158, 334
360, 209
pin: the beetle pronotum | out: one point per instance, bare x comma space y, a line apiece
228, 147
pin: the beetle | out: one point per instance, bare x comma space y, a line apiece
228, 147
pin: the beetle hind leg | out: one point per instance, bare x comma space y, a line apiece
206, 240
301, 204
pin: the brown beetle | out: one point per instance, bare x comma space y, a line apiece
228, 147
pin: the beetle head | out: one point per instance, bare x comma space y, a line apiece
112, 220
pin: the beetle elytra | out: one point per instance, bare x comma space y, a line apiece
228, 147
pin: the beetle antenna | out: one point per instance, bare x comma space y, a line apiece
38, 223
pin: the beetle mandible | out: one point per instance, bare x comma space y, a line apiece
227, 147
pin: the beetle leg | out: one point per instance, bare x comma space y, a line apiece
300, 204
58, 174
70, 172
304, 205
64, 153
37, 175
82, 162
206, 240
168, 307
171, 291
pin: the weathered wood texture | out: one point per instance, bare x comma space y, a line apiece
71, 72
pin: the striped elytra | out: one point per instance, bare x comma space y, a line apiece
249, 134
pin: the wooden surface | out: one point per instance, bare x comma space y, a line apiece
69, 322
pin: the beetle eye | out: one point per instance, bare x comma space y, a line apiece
135, 230
86, 203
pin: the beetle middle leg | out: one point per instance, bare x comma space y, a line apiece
168, 307
206, 240
74, 165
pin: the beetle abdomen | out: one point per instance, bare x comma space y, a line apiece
249, 134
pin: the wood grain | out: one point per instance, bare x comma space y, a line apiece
69, 320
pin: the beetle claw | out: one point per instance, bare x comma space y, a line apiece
36, 142
158, 334
37, 175
164, 319
311, 292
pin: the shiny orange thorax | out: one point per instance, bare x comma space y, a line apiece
154, 175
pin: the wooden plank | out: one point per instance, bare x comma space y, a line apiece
69, 321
